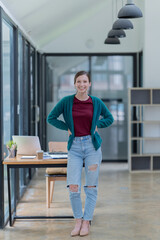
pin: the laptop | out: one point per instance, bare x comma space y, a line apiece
27, 145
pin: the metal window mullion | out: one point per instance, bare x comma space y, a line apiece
34, 94
134, 84
40, 99
33, 120
15, 101
29, 87
44, 102
38, 90
15, 74
22, 100
22, 89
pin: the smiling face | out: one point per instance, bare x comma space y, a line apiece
82, 84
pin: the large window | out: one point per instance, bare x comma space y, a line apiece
60, 78
60, 83
111, 76
7, 39
20, 104
18, 97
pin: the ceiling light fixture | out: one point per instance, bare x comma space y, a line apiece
122, 24
117, 33
112, 40
130, 10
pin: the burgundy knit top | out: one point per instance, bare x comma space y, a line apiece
82, 112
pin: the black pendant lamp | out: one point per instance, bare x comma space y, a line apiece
112, 40
117, 33
130, 11
122, 24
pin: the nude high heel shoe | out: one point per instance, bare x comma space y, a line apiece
77, 228
85, 228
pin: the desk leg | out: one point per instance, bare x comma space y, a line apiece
9, 196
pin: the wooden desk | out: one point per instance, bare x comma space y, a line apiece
17, 162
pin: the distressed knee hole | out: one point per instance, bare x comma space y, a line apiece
73, 188
93, 167
91, 186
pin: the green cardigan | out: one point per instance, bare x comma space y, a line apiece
64, 106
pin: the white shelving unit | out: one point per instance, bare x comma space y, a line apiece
144, 129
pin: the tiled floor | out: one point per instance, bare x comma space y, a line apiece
128, 208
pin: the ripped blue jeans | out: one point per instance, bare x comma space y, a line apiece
83, 151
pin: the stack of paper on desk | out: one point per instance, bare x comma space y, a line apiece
58, 155
28, 157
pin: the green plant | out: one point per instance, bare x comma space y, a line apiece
11, 144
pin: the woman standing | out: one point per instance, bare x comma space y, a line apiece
81, 113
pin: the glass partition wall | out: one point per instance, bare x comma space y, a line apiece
60, 83
111, 77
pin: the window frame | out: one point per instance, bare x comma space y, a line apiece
14, 104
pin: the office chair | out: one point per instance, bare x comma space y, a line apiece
54, 174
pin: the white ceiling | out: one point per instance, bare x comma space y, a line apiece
73, 25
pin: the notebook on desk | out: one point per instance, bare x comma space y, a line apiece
27, 145
58, 153
59, 156
55, 155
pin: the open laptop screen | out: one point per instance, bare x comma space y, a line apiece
27, 145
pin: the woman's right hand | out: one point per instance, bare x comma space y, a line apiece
69, 132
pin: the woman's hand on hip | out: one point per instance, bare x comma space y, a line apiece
96, 129
69, 132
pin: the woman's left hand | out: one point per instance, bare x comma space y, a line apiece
69, 132
96, 130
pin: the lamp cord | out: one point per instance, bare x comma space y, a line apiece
112, 11
116, 7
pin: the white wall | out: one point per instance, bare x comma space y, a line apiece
152, 44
